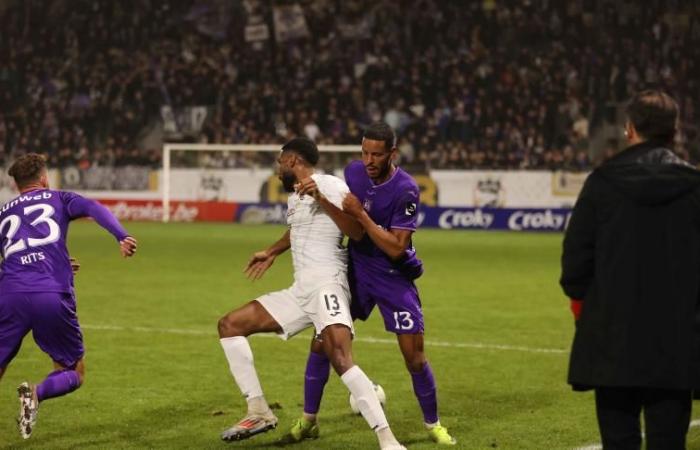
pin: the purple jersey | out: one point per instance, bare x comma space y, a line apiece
391, 205
33, 233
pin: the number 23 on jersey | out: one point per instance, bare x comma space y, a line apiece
10, 225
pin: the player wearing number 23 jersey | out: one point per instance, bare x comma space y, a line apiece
36, 280
33, 232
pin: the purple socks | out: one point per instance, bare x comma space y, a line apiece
317, 370
426, 393
58, 383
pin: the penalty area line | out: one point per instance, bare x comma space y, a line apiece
693, 424
368, 340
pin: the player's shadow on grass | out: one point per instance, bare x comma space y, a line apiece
158, 427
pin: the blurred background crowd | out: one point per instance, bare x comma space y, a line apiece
494, 84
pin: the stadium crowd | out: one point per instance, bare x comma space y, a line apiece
494, 84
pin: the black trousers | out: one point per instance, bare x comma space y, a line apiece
666, 417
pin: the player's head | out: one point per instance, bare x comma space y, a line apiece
298, 154
652, 115
378, 150
30, 171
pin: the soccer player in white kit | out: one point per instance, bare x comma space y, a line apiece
319, 297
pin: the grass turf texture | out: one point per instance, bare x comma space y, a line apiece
157, 377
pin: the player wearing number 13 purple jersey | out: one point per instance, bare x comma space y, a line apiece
36, 280
377, 278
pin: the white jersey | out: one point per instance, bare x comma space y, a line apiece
316, 241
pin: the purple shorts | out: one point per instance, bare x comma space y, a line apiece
52, 319
395, 296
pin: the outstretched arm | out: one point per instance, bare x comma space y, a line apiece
261, 261
394, 243
82, 207
347, 224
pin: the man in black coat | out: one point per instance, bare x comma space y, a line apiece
631, 265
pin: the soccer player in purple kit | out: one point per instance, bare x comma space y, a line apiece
383, 266
36, 280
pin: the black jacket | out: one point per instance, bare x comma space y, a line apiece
632, 254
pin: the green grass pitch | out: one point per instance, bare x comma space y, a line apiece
157, 378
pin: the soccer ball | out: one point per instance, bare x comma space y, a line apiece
380, 395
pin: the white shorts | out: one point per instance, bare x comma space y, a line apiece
296, 309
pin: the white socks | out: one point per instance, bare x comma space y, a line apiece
240, 361
430, 426
361, 388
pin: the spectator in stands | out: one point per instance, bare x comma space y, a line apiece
446, 70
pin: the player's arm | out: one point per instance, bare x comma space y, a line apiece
394, 242
261, 261
79, 206
280, 246
347, 224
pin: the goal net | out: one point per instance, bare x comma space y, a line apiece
233, 172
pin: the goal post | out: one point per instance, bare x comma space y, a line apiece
169, 148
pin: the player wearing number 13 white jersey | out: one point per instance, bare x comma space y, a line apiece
316, 241
319, 296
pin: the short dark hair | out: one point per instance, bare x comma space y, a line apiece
27, 169
381, 131
654, 114
306, 148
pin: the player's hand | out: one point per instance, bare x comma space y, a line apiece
74, 265
352, 205
258, 265
308, 186
127, 247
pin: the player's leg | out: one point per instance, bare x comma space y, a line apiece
9, 347
57, 332
412, 350
401, 310
337, 345
315, 378
271, 313
63, 380
330, 310
234, 328
318, 367
14, 325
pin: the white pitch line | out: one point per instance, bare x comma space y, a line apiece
590, 447
369, 340
478, 345
694, 423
